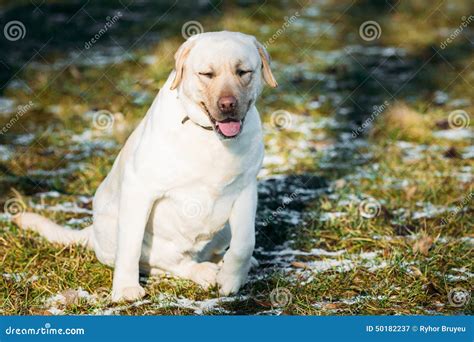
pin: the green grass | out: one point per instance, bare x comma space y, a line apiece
415, 261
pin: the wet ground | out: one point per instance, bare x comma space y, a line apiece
365, 195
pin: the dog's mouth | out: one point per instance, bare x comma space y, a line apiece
228, 128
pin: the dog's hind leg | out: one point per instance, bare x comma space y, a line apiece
54, 232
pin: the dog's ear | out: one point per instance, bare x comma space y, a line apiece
267, 71
180, 57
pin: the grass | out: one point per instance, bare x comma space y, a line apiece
405, 259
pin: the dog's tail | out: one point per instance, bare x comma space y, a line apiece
54, 232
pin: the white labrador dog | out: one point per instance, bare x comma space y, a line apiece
182, 193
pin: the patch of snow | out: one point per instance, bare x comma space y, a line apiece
48, 194
320, 266
468, 240
464, 177
454, 134
56, 172
16, 277
6, 153
459, 103
20, 277
468, 152
361, 298
68, 296
271, 312
23, 139
462, 274
149, 59
65, 207
5, 217
7, 105
295, 252
429, 210
55, 311
331, 216
382, 237
79, 221
368, 255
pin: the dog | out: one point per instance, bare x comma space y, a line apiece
181, 196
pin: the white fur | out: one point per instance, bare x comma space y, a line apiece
178, 197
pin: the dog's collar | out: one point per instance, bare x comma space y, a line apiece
187, 118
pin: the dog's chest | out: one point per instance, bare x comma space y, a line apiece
194, 214
200, 208
206, 181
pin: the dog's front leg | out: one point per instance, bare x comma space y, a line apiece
237, 259
135, 206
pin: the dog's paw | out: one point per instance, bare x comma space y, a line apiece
205, 274
230, 283
128, 294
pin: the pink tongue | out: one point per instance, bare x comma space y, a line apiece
229, 129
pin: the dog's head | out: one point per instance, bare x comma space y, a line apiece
222, 74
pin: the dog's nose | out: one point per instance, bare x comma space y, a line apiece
227, 104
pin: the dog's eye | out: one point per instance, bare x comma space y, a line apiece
207, 74
243, 72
